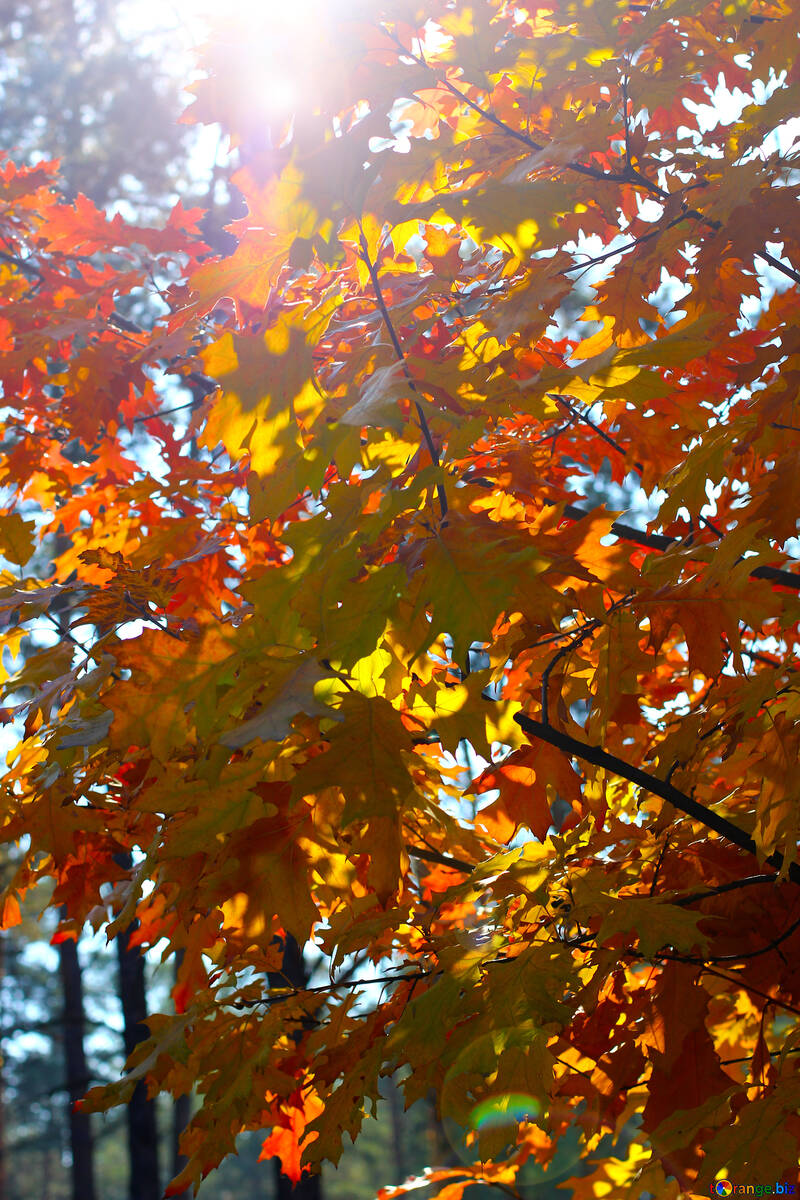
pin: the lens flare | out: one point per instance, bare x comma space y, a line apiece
484, 1121
498, 1111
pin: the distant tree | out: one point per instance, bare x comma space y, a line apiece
143, 1176
77, 1070
181, 1115
76, 84
36, 1141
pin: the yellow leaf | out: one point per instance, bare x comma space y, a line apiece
16, 538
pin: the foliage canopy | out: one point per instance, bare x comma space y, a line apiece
491, 248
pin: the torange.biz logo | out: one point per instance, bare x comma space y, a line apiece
724, 1187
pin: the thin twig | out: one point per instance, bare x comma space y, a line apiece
563, 652
292, 993
398, 349
165, 412
659, 861
570, 406
773, 945
629, 245
732, 886
587, 629
728, 1062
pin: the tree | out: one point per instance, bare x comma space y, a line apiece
38, 1051
293, 974
181, 1115
77, 1073
77, 84
284, 653
143, 1177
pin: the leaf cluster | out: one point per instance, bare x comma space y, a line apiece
296, 614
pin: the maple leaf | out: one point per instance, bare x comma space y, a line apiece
462, 581
294, 694
16, 538
527, 781
289, 1137
365, 757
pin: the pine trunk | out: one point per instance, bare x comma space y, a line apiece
80, 1134
144, 1181
181, 1115
3, 1188
293, 972
395, 1101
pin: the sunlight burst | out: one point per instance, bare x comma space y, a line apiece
274, 42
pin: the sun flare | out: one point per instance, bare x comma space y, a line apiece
273, 43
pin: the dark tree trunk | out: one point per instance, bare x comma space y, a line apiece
80, 1134
308, 1188
293, 972
3, 1188
440, 1150
181, 1115
141, 1113
395, 1100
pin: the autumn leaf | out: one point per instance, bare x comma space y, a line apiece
294, 694
16, 538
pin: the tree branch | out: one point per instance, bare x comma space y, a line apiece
732, 886
779, 266
630, 175
398, 349
657, 787
444, 860
660, 541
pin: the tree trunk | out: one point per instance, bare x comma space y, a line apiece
181, 1115
3, 1188
293, 972
440, 1150
308, 1188
141, 1112
80, 1134
395, 1101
